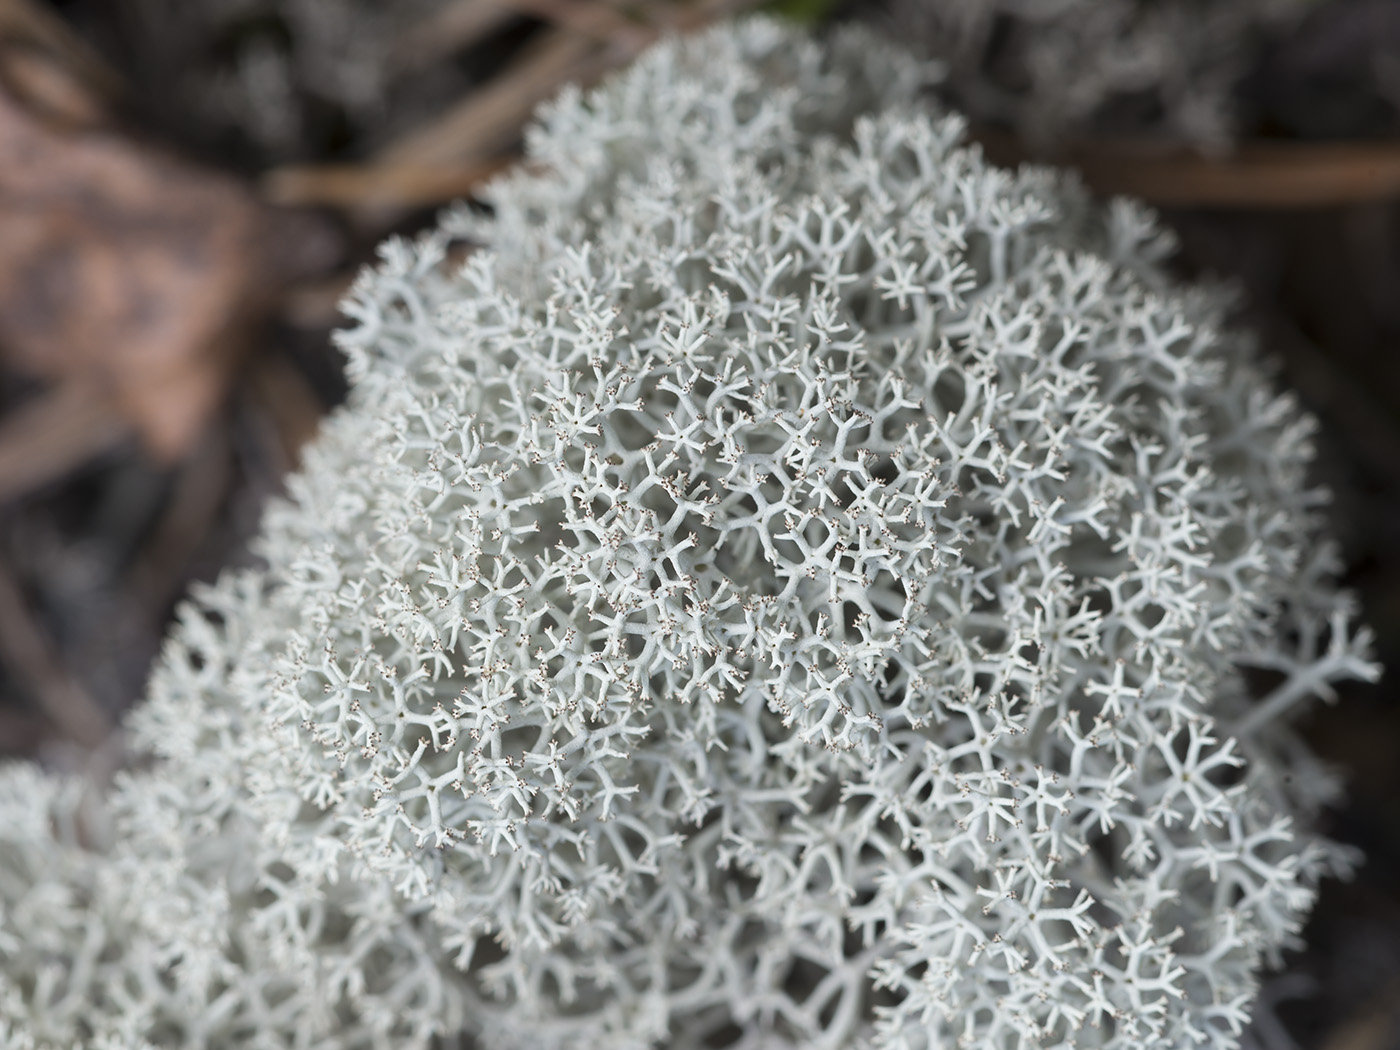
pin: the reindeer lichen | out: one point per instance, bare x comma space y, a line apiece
791, 587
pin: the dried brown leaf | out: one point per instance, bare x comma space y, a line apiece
127, 271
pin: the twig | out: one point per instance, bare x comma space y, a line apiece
485, 122
201, 484
31, 23
466, 22
30, 657
455, 153
588, 17
46, 438
453, 28
316, 304
377, 185
1302, 175
1256, 175
20, 733
48, 88
291, 403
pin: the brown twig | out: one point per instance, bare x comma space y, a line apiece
487, 121
454, 154
48, 88
316, 304
466, 22
51, 435
201, 485
378, 185
290, 402
31, 23
1256, 175
452, 28
29, 655
586, 17
1301, 175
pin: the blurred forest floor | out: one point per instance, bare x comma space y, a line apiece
186, 189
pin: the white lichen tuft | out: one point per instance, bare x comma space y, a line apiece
792, 588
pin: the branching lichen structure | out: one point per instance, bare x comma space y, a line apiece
794, 586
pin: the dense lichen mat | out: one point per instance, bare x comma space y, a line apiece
790, 587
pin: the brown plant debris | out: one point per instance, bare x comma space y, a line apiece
49, 434
127, 271
377, 185
1254, 175
462, 147
31, 25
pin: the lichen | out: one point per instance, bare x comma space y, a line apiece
791, 587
